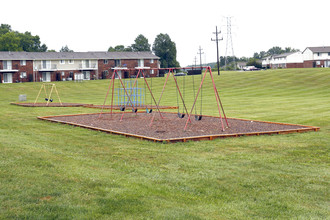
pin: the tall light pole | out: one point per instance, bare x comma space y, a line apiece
217, 40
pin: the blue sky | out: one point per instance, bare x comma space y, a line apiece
95, 25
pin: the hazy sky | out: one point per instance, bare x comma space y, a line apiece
96, 25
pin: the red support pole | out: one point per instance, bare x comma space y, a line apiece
184, 105
152, 119
199, 89
152, 95
216, 97
217, 93
107, 96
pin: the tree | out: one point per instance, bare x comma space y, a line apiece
10, 42
254, 62
4, 28
165, 48
15, 41
31, 43
119, 48
141, 44
65, 49
275, 51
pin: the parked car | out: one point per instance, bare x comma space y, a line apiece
250, 68
180, 74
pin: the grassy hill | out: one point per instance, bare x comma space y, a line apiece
49, 170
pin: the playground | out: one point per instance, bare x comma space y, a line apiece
149, 121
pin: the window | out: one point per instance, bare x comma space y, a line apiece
46, 64
141, 63
117, 63
7, 65
23, 75
105, 61
62, 61
152, 61
152, 72
318, 54
63, 73
318, 62
86, 63
23, 62
71, 61
329, 54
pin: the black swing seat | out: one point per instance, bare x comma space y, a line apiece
149, 110
46, 99
122, 108
134, 110
198, 117
51, 100
181, 115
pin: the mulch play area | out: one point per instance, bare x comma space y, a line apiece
170, 128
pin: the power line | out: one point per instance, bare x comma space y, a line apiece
217, 40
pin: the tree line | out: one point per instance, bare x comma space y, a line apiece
162, 47
15, 41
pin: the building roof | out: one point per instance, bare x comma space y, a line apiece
8, 55
283, 55
319, 49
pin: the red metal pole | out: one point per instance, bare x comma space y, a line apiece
184, 105
223, 111
216, 97
199, 89
107, 96
161, 95
113, 90
151, 94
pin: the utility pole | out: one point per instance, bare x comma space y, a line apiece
200, 56
217, 40
195, 61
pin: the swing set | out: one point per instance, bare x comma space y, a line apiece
48, 89
180, 95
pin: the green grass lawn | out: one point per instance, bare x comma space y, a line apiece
55, 171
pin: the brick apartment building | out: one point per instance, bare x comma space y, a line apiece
62, 66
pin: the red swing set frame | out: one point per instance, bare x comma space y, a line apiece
171, 71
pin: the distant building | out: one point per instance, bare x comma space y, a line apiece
311, 57
316, 57
61, 66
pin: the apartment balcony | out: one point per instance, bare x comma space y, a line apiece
7, 69
47, 68
88, 66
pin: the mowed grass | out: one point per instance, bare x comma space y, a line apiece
55, 171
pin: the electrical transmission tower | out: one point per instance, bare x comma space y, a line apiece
229, 44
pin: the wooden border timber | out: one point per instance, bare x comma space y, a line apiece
117, 107
53, 104
185, 139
